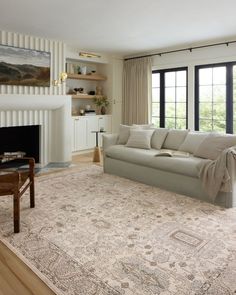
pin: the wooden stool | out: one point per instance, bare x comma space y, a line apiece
97, 150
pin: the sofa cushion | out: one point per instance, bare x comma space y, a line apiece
213, 145
159, 137
189, 166
132, 155
140, 139
174, 139
192, 141
124, 133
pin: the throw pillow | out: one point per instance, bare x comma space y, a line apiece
192, 141
214, 144
174, 139
124, 133
140, 139
144, 126
159, 137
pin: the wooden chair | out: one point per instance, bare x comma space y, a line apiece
16, 183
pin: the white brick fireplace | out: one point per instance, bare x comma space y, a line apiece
51, 112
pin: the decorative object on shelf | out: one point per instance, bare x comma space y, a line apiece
81, 112
92, 92
101, 102
83, 70
99, 90
62, 78
87, 107
79, 90
25, 67
90, 55
78, 70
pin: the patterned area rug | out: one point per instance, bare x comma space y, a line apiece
96, 234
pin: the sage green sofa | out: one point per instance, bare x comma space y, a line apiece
179, 173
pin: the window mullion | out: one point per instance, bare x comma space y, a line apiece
197, 98
162, 99
229, 98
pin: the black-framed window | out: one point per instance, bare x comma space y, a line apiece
215, 97
169, 98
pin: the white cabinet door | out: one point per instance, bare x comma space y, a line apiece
104, 122
80, 134
92, 125
83, 126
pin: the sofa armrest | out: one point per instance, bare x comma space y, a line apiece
109, 140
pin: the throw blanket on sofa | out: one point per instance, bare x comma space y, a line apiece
219, 175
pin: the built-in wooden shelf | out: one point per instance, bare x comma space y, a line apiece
94, 77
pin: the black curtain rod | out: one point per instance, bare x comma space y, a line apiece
182, 49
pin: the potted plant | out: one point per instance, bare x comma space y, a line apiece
101, 101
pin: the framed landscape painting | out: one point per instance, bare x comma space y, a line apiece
26, 67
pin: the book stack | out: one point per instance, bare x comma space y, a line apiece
10, 156
90, 113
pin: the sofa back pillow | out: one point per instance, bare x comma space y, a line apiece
174, 139
140, 139
192, 141
158, 137
213, 145
144, 126
124, 133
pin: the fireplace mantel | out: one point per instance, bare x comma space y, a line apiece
51, 112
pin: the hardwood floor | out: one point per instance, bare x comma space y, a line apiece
16, 278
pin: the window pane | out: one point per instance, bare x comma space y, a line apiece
181, 94
181, 110
219, 93
180, 124
205, 110
156, 80
234, 111
181, 78
170, 79
205, 125
234, 72
219, 126
234, 83
205, 93
234, 89
170, 94
155, 94
219, 75
170, 123
219, 111
205, 76
156, 109
170, 110
156, 121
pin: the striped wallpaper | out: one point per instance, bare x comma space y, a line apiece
57, 50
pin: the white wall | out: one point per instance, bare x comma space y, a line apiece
113, 89
57, 50
202, 56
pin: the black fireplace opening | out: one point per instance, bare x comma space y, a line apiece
20, 138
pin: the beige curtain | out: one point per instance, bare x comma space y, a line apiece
137, 90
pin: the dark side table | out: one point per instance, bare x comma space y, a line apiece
97, 150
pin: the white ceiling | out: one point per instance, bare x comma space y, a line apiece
123, 27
